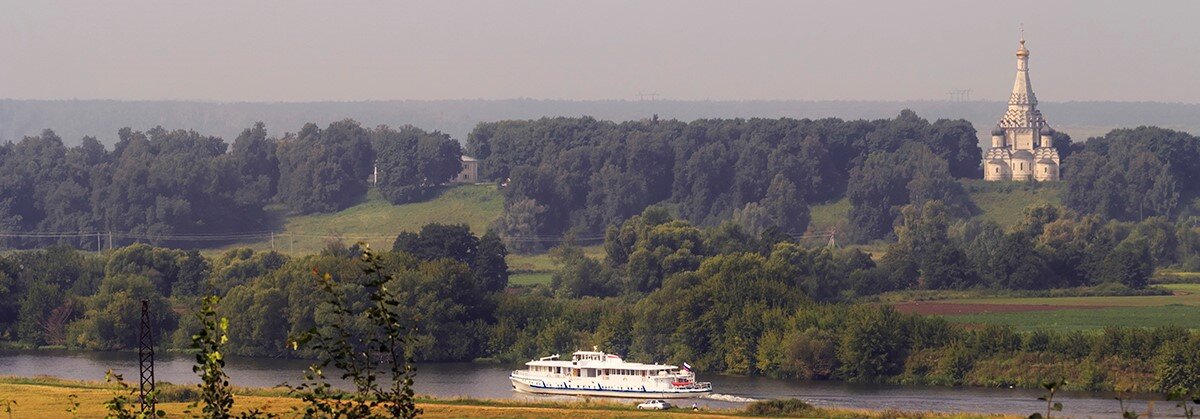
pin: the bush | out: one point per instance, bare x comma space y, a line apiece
170, 393
780, 407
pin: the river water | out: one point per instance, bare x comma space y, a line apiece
490, 381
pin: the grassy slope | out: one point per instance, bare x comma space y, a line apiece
829, 215
377, 221
1006, 208
528, 270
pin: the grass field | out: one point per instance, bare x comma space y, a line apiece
50, 398
1007, 208
528, 270
378, 221
1075, 313
1003, 204
530, 279
1089, 319
829, 215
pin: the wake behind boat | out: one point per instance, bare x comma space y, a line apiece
592, 373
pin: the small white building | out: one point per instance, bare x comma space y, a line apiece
470, 171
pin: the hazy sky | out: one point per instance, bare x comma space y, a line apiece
373, 50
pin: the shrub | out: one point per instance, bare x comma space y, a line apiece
176, 394
780, 407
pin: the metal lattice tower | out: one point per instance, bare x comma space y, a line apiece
146, 360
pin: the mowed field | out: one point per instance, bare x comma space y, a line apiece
530, 270
1071, 313
377, 221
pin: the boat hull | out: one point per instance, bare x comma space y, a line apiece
535, 386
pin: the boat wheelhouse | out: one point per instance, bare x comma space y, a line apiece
593, 373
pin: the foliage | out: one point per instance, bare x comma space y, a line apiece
325, 170
887, 181
411, 163
780, 407
873, 343
1133, 174
356, 355
583, 174
126, 402
113, 312
210, 361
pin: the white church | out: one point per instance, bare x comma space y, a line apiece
1021, 144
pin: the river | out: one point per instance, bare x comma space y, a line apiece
490, 381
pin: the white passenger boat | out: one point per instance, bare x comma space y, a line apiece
591, 373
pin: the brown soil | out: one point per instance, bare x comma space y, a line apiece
936, 308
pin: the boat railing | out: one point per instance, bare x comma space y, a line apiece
695, 386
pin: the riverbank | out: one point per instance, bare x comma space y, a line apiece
43, 397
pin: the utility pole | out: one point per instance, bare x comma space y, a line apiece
272, 240
110, 240
146, 361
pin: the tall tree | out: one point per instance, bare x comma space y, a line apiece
411, 162
325, 170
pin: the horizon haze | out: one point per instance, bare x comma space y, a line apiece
276, 51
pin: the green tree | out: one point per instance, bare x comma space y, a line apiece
115, 310
873, 343
1130, 264
412, 162
324, 170
785, 206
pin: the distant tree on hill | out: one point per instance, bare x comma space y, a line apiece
885, 182
412, 162
325, 170
254, 158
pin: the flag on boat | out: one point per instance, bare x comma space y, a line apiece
688, 367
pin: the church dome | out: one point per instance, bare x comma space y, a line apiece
997, 131
1046, 130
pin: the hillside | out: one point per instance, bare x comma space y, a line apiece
1005, 202
377, 221
1000, 202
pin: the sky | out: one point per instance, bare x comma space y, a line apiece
295, 51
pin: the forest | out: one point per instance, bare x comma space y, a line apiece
181, 189
579, 175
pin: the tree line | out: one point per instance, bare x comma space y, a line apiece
180, 185
581, 175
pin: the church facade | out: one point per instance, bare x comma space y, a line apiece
1021, 143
